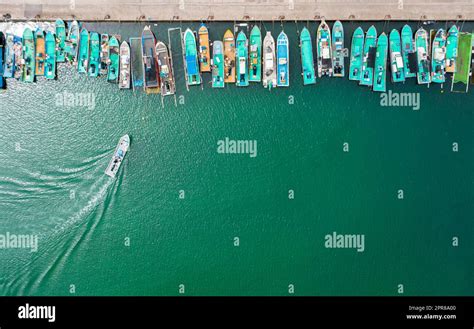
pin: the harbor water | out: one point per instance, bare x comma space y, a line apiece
183, 218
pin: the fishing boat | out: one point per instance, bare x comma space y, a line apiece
396, 58
104, 53
117, 158
114, 59
40, 54
218, 64
150, 69
165, 65
124, 78
452, 49
204, 49
136, 62
83, 54
18, 52
410, 62
421, 44
324, 50
51, 55
307, 61
380, 70
255, 55
357, 51
60, 40
191, 59
28, 56
338, 50
283, 60
9, 57
438, 57
269, 62
368, 60
229, 57
242, 59
72, 42
94, 59
2, 54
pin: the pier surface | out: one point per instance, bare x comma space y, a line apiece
230, 10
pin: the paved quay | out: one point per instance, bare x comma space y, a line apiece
231, 10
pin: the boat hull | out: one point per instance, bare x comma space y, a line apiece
269, 77
193, 77
114, 60
71, 45
242, 79
283, 59
124, 79
119, 154
255, 55
324, 50
204, 49
307, 61
421, 44
408, 52
338, 50
452, 49
218, 65
9, 57
438, 57
94, 59
397, 68
60, 41
165, 63
40, 53
83, 54
357, 51
380, 70
28, 56
229, 57
51, 53
368, 60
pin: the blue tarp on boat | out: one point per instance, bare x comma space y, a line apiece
191, 64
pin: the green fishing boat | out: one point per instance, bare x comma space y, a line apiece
438, 57
218, 64
338, 50
421, 44
408, 52
28, 74
72, 42
357, 50
255, 55
368, 59
380, 70
94, 59
452, 49
114, 59
242, 58
60, 41
193, 77
307, 61
51, 53
83, 55
396, 58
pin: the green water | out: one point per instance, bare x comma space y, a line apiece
52, 184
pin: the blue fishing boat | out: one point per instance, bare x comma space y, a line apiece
242, 59
9, 57
283, 67
193, 77
2, 48
410, 61
368, 61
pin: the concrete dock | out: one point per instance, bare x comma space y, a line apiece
230, 10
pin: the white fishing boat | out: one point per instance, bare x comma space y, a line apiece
118, 156
124, 78
269, 62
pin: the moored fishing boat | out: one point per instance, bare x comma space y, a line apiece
193, 76
357, 51
408, 52
452, 49
368, 59
438, 57
380, 70
18, 52
421, 44
9, 57
60, 28
28, 56
136, 62
307, 61
324, 50
255, 55
83, 53
114, 59
396, 58
338, 50
165, 65
104, 53
71, 44
283, 60
229, 57
51, 53
40, 52
269, 62
117, 158
151, 80
94, 59
218, 64
2, 54
242, 58
204, 49
124, 79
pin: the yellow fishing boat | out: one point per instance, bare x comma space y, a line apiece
229, 57
204, 49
